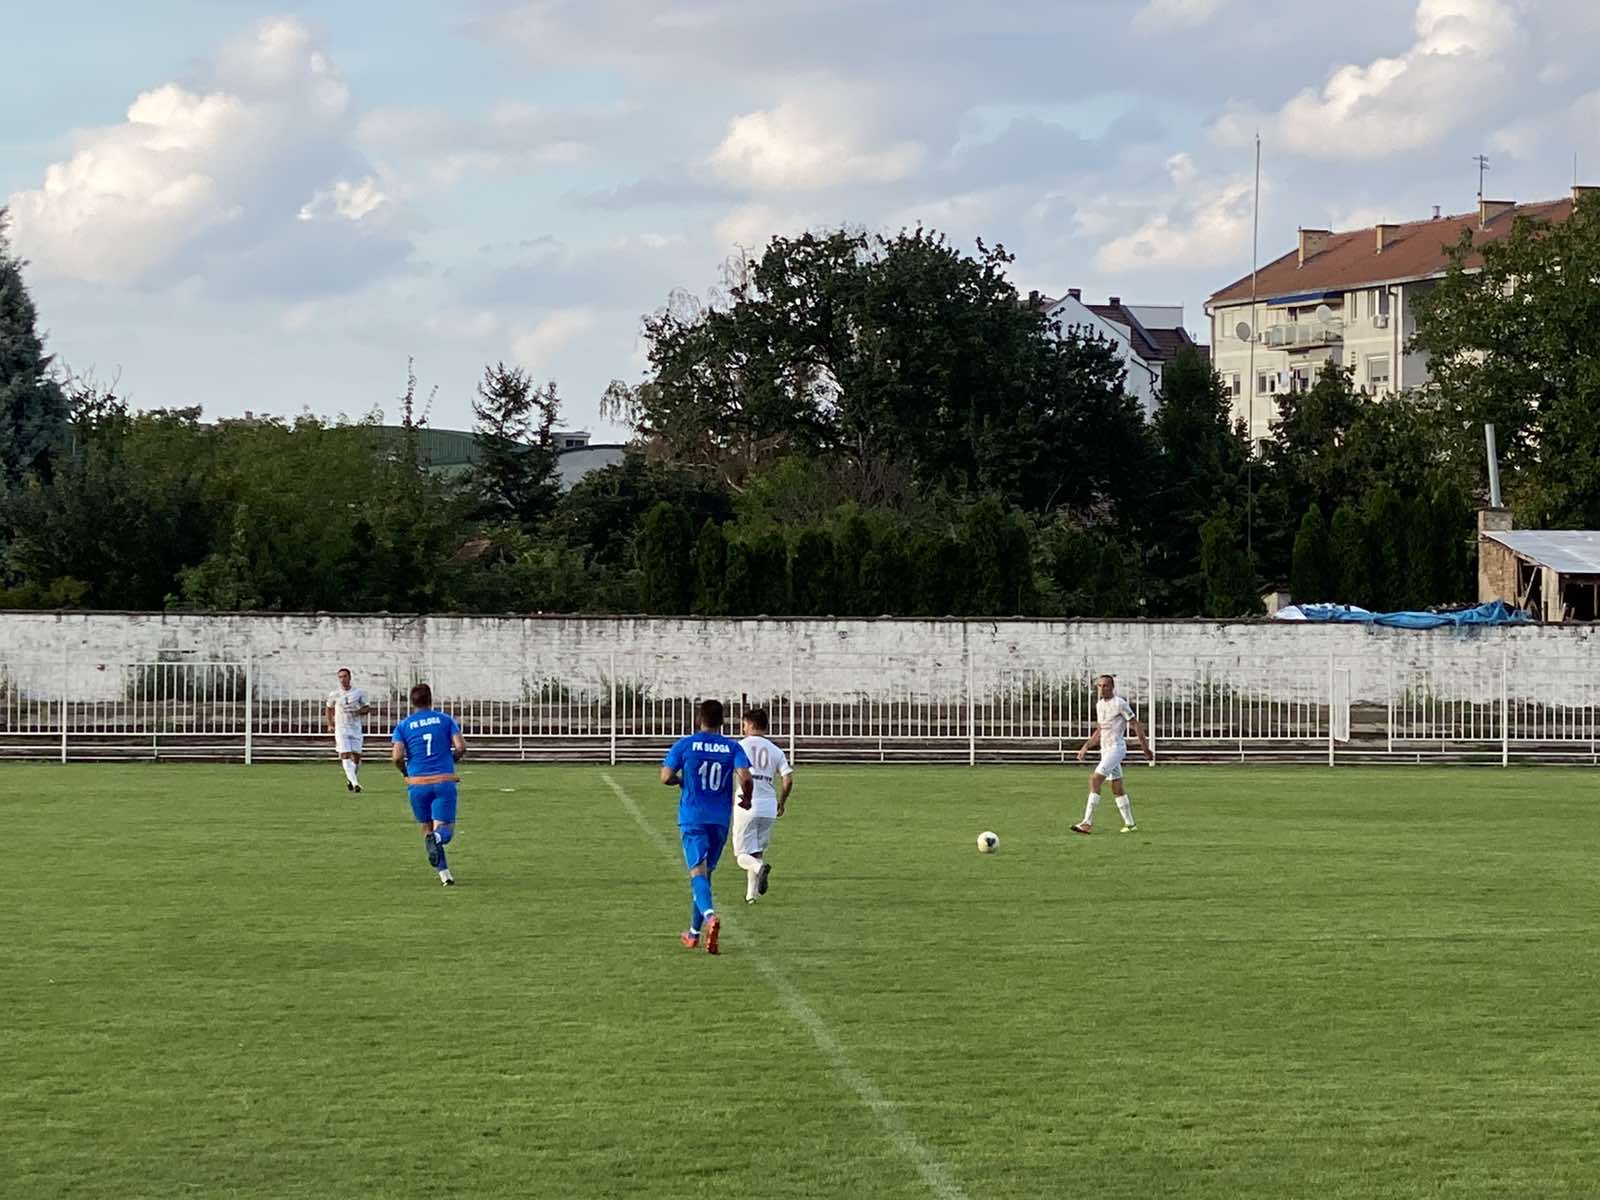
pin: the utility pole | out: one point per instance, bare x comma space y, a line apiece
1483, 167
1250, 446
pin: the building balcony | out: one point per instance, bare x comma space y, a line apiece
1303, 336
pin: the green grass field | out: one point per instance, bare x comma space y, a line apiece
221, 981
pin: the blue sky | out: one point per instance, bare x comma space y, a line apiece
251, 206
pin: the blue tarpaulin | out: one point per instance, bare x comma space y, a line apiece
1493, 613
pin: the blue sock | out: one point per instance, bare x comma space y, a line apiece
444, 835
444, 863
700, 885
694, 917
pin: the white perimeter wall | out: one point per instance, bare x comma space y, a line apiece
502, 657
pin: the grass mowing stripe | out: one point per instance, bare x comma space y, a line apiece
933, 1172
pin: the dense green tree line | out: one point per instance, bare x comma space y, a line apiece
855, 426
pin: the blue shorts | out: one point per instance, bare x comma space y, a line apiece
703, 844
433, 802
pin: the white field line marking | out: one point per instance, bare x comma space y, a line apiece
933, 1172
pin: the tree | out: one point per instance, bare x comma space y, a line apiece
33, 407
814, 574
1388, 528
1230, 581
1313, 578
665, 546
711, 571
1351, 561
999, 553
1513, 337
1202, 463
896, 350
515, 477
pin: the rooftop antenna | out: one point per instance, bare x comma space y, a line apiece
1483, 169
1250, 438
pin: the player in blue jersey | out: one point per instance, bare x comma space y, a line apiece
707, 766
426, 747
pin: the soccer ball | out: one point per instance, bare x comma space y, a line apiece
988, 842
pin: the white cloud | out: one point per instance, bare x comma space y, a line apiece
806, 146
351, 201
509, 136
1205, 226
754, 225
225, 166
459, 325
1181, 169
1456, 67
537, 346
1167, 16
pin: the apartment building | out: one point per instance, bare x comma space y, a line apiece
1348, 298
1146, 337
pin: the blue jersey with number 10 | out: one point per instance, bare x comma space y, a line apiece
426, 736
707, 762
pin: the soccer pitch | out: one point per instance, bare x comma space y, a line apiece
227, 981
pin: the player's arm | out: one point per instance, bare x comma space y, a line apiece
672, 764
785, 786
329, 718
458, 746
747, 785
1138, 732
1094, 740
397, 755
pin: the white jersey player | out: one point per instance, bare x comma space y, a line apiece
752, 827
346, 707
1113, 719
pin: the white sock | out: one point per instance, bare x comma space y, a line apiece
1088, 809
748, 861
752, 888
349, 769
1125, 807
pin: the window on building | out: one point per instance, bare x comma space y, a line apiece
1378, 372
1355, 306
1300, 380
1232, 383
1380, 302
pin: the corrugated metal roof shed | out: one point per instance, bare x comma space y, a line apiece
1569, 551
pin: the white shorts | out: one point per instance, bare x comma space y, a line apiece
347, 743
1111, 763
750, 832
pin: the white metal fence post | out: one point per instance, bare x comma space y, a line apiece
66, 687
794, 721
972, 699
1505, 714
1330, 708
613, 708
1150, 665
249, 708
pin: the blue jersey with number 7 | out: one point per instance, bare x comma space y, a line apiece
426, 736
706, 761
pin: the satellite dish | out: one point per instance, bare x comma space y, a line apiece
1324, 314
1242, 331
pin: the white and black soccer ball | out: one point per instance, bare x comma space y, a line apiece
988, 842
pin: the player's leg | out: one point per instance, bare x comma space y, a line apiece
355, 766
1096, 782
716, 839
443, 811
747, 851
758, 837
341, 744
694, 857
1124, 803
420, 797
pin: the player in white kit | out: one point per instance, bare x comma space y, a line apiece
1114, 717
752, 827
346, 706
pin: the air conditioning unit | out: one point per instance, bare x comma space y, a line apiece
1381, 320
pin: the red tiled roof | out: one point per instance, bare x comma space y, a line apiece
1417, 250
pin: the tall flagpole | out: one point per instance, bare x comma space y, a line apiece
1250, 462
